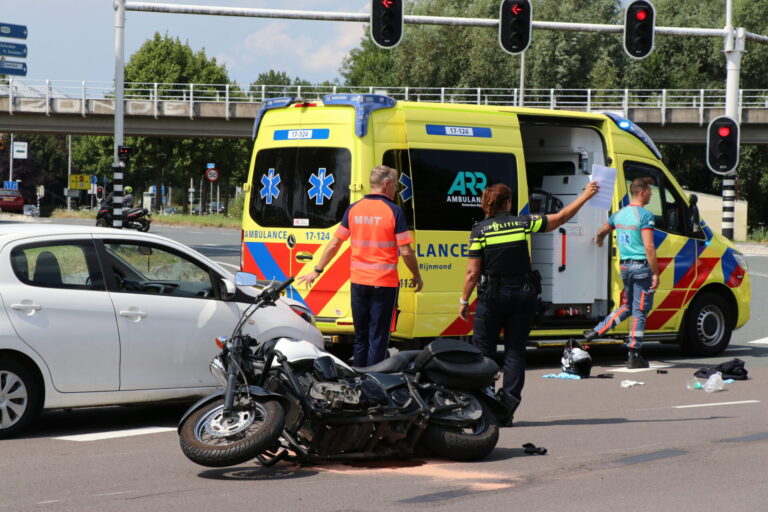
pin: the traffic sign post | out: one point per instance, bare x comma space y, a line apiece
8, 67
11, 30
13, 49
10, 185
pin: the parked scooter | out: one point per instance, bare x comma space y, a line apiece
133, 218
285, 399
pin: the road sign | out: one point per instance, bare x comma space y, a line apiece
40, 190
19, 150
10, 185
210, 166
13, 49
212, 174
79, 181
8, 67
94, 179
11, 30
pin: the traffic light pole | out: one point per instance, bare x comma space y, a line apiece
117, 166
734, 50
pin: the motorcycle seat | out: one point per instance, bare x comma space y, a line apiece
394, 364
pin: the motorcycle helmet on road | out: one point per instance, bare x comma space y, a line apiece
576, 360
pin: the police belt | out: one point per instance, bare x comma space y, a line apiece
507, 279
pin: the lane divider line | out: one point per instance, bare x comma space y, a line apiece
115, 434
761, 341
715, 404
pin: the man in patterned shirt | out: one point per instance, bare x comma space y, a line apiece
639, 268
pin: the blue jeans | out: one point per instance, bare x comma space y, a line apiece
637, 279
373, 309
510, 310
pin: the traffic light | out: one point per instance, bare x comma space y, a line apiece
515, 18
124, 153
387, 22
722, 145
99, 193
639, 20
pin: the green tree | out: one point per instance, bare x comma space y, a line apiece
170, 161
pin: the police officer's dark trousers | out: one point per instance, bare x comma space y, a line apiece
373, 309
510, 308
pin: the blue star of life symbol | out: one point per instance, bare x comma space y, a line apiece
407, 191
321, 186
270, 182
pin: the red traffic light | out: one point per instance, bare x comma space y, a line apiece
724, 131
641, 15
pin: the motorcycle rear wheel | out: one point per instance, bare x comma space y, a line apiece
209, 439
143, 225
464, 444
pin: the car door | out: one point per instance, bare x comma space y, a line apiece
55, 296
168, 314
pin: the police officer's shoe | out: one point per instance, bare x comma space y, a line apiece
636, 360
511, 403
590, 335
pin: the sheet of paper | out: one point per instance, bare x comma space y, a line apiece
606, 177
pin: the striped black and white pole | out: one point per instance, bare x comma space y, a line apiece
729, 205
117, 195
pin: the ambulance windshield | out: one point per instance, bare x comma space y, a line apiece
300, 187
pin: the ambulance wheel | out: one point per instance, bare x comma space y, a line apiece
707, 326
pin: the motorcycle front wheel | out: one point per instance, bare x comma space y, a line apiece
143, 225
211, 439
102, 223
470, 443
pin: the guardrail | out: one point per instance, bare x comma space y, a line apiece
574, 99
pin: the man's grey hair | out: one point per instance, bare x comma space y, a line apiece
381, 173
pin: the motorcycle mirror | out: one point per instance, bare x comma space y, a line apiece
228, 289
245, 279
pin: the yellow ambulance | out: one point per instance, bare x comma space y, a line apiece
311, 160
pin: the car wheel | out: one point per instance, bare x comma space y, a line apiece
708, 325
20, 397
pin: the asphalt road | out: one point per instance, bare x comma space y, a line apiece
656, 446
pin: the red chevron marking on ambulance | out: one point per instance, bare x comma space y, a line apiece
461, 327
329, 283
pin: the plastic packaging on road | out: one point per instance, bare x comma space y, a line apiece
630, 383
714, 383
563, 375
693, 383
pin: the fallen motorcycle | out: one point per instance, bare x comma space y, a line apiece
286, 399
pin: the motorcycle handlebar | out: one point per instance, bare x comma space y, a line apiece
285, 284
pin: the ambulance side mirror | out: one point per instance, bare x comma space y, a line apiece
697, 232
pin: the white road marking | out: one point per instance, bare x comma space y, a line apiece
713, 405
761, 341
112, 493
637, 370
116, 433
759, 274
236, 267
47, 502
211, 245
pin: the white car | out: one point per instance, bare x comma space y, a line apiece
96, 316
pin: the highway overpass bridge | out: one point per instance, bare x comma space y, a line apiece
216, 110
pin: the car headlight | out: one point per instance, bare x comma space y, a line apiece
303, 313
741, 260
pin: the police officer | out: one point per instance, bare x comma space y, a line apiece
500, 266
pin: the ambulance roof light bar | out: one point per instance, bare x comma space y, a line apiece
364, 105
629, 126
269, 105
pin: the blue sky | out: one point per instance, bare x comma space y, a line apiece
74, 39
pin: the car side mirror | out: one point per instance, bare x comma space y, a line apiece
245, 279
228, 289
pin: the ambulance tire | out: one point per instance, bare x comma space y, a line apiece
707, 326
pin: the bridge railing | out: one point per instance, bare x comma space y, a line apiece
574, 99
